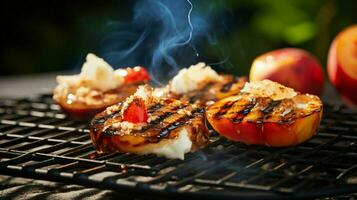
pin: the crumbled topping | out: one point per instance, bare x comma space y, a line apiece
116, 125
193, 78
152, 118
161, 92
96, 77
124, 125
267, 88
96, 73
302, 105
184, 112
111, 109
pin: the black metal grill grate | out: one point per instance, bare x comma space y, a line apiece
38, 141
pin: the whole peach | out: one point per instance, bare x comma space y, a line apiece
342, 63
292, 67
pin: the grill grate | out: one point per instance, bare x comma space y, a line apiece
38, 141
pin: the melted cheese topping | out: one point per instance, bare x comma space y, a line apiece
193, 78
267, 88
175, 148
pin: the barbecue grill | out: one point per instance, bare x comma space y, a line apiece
38, 141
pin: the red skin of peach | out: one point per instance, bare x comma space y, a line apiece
339, 77
291, 67
273, 134
245, 131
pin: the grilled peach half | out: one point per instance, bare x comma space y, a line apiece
93, 101
259, 119
81, 100
147, 124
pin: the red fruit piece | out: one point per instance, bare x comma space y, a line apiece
136, 74
136, 112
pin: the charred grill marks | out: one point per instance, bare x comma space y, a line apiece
237, 110
199, 95
162, 117
270, 107
104, 118
154, 107
100, 120
165, 132
224, 109
267, 110
193, 99
180, 122
288, 117
109, 132
245, 111
226, 87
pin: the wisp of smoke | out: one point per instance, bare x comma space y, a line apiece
162, 36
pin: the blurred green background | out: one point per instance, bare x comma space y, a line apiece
44, 36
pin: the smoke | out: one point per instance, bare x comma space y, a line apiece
163, 36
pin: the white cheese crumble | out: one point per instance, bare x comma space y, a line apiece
95, 74
161, 92
267, 88
143, 92
302, 105
99, 74
193, 78
174, 148
124, 125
